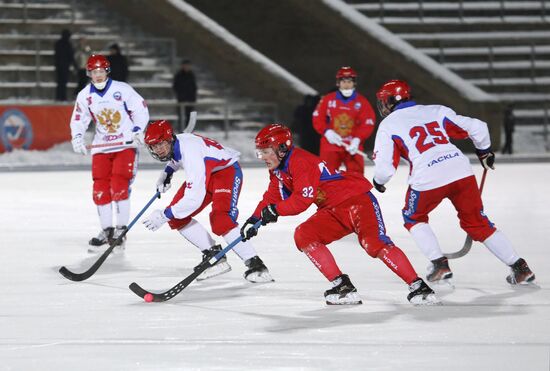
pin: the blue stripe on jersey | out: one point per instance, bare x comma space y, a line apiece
283, 166
408, 103
381, 226
101, 93
177, 152
168, 213
325, 175
412, 205
235, 191
401, 145
127, 110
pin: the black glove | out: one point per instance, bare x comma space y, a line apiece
379, 187
486, 157
269, 214
248, 231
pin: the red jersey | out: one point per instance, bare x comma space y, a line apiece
302, 179
350, 118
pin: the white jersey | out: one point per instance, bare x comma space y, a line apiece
420, 134
199, 157
115, 110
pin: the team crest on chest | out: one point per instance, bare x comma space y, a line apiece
343, 125
110, 119
117, 95
357, 106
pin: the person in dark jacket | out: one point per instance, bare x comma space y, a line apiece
185, 88
509, 125
63, 59
119, 64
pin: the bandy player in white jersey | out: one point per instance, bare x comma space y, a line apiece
438, 170
213, 176
120, 115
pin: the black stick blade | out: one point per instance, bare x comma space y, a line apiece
75, 276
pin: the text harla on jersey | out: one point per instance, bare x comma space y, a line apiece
443, 158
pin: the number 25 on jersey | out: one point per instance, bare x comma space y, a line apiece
427, 136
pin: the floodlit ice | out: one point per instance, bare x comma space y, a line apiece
226, 323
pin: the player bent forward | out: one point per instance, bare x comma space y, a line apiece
345, 205
439, 170
213, 177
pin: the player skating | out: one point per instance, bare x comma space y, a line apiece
345, 205
420, 134
120, 115
213, 176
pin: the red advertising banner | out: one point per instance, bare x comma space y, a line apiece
33, 127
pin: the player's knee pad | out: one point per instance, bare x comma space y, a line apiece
178, 224
221, 223
101, 192
375, 250
120, 186
304, 236
480, 233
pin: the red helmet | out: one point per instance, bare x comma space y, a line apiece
391, 93
346, 73
157, 132
98, 61
276, 136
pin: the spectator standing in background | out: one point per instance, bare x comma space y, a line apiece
82, 53
119, 64
63, 59
185, 88
509, 123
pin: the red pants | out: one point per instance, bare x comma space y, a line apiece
222, 191
112, 174
465, 197
360, 214
335, 159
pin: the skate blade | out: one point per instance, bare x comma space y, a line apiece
430, 299
349, 299
259, 277
216, 270
443, 284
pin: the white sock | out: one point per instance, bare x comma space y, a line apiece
195, 233
122, 212
105, 213
245, 250
426, 241
499, 245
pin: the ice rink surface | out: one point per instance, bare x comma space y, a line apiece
226, 323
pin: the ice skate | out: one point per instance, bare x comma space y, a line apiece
257, 272
521, 274
440, 273
343, 292
422, 294
121, 245
221, 267
102, 238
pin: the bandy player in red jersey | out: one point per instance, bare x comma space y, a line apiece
213, 177
345, 119
420, 134
120, 115
345, 205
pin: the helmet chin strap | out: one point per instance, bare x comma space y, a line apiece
346, 92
